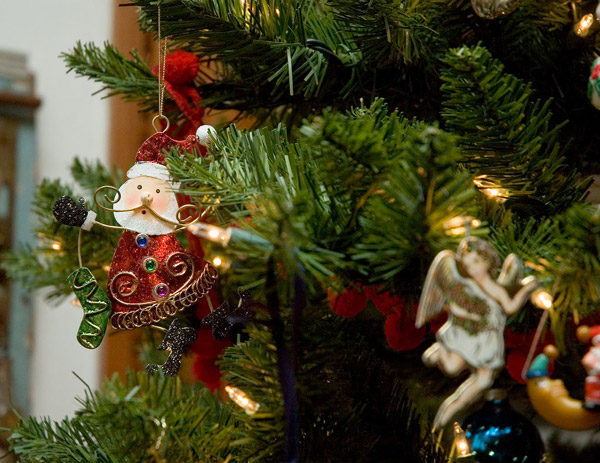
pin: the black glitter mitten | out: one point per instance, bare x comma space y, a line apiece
69, 212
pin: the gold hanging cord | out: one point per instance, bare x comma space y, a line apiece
162, 63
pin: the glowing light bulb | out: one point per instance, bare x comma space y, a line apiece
277, 12
212, 233
461, 225
217, 261
542, 299
56, 246
460, 439
240, 398
488, 187
582, 28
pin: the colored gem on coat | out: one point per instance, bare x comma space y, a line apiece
141, 240
160, 291
150, 264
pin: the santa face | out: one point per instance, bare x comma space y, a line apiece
149, 197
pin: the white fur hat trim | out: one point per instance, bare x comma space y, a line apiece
149, 169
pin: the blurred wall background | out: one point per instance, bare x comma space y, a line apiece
70, 122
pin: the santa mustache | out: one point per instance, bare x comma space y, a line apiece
185, 216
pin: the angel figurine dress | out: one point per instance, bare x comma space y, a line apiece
463, 284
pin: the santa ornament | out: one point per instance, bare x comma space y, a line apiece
151, 276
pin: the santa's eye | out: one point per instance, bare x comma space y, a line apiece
139, 187
158, 190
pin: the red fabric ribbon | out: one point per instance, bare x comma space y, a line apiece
181, 68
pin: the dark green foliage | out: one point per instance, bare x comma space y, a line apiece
284, 68
42, 266
392, 34
276, 185
357, 196
414, 204
508, 138
342, 419
130, 78
150, 418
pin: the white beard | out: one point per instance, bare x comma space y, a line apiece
133, 221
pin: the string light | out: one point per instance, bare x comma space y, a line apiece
487, 188
217, 261
461, 225
582, 28
460, 440
241, 399
225, 236
542, 299
56, 246
211, 233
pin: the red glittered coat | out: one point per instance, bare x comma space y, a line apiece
152, 278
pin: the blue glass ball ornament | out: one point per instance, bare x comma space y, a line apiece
498, 434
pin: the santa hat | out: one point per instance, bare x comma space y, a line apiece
539, 367
150, 158
595, 334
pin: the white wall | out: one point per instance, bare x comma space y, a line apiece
69, 123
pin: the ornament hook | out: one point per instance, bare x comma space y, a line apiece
160, 117
162, 63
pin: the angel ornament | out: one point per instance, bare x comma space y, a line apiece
477, 304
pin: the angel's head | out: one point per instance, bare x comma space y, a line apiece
478, 257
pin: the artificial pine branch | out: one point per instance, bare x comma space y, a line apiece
156, 418
354, 399
285, 68
412, 208
130, 78
392, 34
508, 138
44, 266
572, 276
271, 187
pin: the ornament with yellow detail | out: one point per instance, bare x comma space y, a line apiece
551, 400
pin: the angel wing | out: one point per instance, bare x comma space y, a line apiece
511, 274
442, 275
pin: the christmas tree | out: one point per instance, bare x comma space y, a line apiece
386, 133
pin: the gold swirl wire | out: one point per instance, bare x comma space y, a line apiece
119, 292
172, 266
165, 309
115, 200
